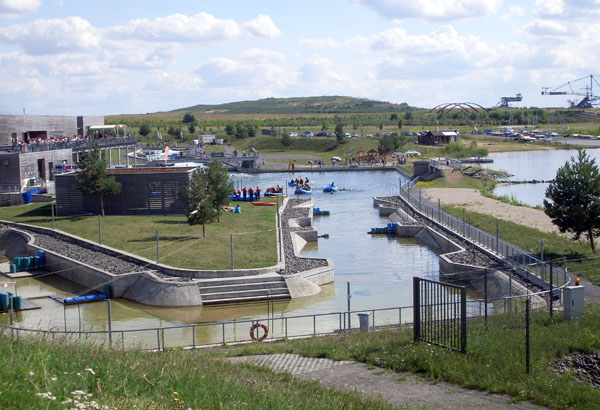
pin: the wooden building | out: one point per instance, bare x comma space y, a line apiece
438, 137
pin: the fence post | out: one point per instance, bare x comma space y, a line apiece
485, 295
497, 238
109, 321
527, 335
551, 293
52, 207
416, 310
231, 246
463, 227
463, 320
157, 254
99, 230
542, 250
349, 296
439, 210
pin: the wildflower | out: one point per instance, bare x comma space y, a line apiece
47, 395
54, 378
90, 370
30, 373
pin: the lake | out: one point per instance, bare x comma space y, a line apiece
530, 165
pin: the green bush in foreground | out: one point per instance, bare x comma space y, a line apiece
36, 373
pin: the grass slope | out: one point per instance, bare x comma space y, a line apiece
297, 105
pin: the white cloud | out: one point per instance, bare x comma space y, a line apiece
566, 8
444, 42
258, 56
443, 10
16, 8
201, 27
52, 36
326, 42
248, 72
513, 12
546, 27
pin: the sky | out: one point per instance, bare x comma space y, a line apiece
105, 57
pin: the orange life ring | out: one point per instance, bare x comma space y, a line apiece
254, 335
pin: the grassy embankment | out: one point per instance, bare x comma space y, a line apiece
181, 245
494, 362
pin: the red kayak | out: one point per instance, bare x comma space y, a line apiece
264, 203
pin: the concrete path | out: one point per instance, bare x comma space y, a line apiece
397, 389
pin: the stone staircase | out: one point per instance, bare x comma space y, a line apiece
243, 289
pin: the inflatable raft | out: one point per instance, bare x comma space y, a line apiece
301, 191
330, 188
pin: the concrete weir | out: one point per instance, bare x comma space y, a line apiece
498, 282
147, 282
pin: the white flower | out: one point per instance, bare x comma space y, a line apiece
30, 373
90, 370
54, 378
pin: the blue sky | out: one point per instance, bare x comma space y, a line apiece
76, 57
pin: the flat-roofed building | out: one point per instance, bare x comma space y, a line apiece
16, 129
144, 191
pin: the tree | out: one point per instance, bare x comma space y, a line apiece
574, 198
339, 132
229, 130
192, 128
93, 179
189, 119
219, 185
400, 123
198, 200
394, 117
144, 129
286, 140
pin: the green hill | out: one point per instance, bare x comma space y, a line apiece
297, 105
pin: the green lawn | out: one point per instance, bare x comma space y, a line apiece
181, 245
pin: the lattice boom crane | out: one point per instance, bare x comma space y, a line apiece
589, 99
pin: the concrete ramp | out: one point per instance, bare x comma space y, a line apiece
12, 244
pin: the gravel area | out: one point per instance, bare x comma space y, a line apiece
584, 367
293, 263
85, 255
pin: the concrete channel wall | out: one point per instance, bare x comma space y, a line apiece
498, 282
144, 287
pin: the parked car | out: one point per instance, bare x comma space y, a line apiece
347, 135
331, 134
307, 134
321, 134
369, 135
354, 135
293, 134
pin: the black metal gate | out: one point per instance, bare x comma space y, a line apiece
440, 313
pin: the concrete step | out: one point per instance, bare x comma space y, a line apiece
242, 286
239, 280
244, 299
263, 293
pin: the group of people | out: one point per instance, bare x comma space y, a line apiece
37, 144
275, 190
300, 181
247, 193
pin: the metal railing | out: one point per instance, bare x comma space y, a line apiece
529, 267
76, 145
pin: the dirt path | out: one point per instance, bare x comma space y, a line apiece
397, 389
472, 200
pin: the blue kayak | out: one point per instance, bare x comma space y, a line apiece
330, 188
300, 191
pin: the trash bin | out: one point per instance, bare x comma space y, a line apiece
364, 319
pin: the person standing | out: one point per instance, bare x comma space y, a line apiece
257, 193
245, 192
251, 193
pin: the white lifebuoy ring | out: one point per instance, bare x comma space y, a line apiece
254, 335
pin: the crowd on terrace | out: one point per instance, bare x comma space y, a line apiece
51, 143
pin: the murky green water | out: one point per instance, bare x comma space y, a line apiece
379, 269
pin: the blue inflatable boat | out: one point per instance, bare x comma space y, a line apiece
330, 188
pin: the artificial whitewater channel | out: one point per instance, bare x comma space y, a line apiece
377, 269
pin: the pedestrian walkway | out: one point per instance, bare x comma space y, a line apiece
397, 389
